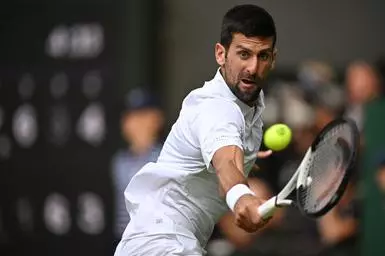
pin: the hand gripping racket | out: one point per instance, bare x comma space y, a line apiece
323, 174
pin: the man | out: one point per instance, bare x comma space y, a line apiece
201, 171
363, 84
141, 124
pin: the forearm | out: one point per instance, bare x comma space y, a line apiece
229, 176
228, 163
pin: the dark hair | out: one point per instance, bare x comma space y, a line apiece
250, 20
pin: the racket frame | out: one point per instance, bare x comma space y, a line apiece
348, 172
300, 180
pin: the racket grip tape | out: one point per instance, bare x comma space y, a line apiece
267, 209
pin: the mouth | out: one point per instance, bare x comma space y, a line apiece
248, 81
248, 84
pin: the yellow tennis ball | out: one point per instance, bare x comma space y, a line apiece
277, 137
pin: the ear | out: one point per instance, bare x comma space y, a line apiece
220, 54
274, 58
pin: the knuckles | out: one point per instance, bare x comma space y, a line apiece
247, 219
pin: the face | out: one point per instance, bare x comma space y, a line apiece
362, 84
246, 64
139, 125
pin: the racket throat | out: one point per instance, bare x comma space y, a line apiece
268, 208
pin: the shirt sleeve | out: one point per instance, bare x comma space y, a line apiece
218, 124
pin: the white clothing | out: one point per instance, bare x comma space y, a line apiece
178, 195
160, 245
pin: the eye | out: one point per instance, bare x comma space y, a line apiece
244, 55
264, 56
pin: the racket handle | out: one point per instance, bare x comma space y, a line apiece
267, 209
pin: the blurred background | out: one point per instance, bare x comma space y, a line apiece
89, 89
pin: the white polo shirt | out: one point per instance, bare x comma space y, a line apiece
179, 193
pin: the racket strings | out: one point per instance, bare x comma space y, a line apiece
327, 168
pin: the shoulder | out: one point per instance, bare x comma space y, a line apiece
203, 100
221, 109
219, 113
210, 94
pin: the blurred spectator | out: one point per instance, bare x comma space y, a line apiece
329, 103
363, 84
312, 74
285, 102
141, 125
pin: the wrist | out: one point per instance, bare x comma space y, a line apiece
236, 192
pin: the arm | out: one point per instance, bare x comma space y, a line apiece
231, 157
228, 163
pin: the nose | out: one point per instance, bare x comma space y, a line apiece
252, 67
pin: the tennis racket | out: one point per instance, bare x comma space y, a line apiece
322, 176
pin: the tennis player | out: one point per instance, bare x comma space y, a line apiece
202, 170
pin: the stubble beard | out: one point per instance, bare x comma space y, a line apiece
247, 98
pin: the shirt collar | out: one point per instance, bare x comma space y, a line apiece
246, 109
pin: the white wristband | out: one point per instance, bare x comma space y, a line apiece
235, 193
